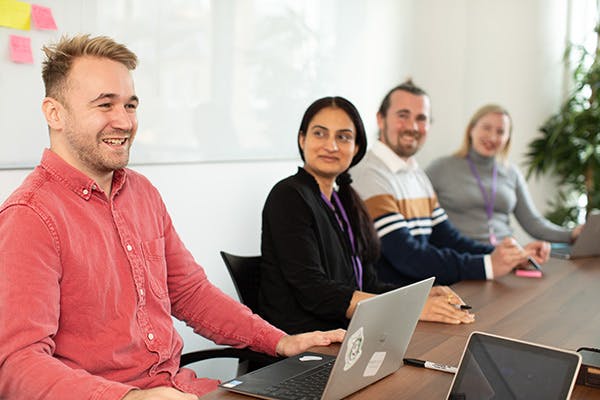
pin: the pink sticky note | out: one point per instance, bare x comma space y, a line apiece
20, 49
42, 17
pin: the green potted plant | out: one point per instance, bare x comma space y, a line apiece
569, 144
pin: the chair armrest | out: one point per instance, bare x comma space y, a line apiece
227, 352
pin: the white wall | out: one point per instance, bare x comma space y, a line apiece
469, 53
463, 52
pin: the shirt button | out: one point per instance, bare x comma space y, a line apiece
151, 336
128, 247
142, 292
85, 192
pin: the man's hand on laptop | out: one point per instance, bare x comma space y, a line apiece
443, 305
159, 393
295, 344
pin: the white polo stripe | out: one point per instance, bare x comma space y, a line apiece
390, 228
439, 220
414, 231
437, 212
388, 219
421, 231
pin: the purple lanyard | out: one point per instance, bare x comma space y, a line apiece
356, 264
487, 200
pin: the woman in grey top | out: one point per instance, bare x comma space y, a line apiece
479, 188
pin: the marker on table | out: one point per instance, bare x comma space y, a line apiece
430, 365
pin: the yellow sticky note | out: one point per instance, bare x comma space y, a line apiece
15, 14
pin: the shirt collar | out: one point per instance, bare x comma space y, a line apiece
392, 160
75, 180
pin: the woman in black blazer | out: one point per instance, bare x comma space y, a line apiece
318, 242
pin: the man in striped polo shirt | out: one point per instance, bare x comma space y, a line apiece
417, 239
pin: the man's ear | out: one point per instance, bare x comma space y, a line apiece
380, 123
53, 111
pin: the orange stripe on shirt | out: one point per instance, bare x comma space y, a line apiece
410, 208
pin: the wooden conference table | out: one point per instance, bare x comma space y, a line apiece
561, 309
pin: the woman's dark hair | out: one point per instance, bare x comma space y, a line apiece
367, 241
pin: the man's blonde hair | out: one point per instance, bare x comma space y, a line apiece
61, 55
468, 142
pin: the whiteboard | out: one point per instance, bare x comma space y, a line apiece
218, 80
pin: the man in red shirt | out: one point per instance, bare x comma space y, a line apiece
92, 268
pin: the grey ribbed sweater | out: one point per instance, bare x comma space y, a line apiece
459, 194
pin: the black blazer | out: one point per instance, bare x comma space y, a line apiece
307, 278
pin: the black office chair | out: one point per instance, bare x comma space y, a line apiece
245, 274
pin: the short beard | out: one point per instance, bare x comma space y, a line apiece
400, 150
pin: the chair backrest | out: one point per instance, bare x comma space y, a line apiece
245, 273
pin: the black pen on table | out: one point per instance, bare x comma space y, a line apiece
430, 365
458, 306
461, 306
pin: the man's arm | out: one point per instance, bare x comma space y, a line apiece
218, 317
530, 218
444, 234
29, 313
287, 346
210, 312
415, 258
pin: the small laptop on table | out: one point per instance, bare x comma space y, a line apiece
499, 368
373, 347
586, 245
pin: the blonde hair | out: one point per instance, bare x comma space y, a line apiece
463, 151
61, 55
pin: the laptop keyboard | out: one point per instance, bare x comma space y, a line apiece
306, 386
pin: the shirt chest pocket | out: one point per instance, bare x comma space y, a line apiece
156, 266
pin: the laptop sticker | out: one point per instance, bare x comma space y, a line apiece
374, 363
354, 350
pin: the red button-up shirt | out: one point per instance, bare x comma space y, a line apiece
88, 286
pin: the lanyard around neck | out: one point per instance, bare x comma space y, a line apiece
356, 263
490, 199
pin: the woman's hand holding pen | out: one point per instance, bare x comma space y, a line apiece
443, 305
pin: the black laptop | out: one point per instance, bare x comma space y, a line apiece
500, 368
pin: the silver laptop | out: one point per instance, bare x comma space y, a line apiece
586, 245
373, 347
496, 367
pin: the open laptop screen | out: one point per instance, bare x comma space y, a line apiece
493, 367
